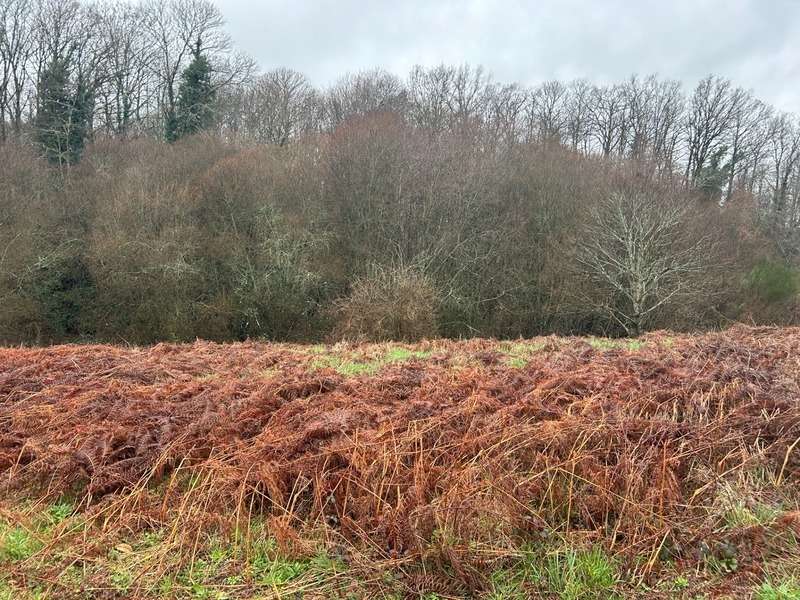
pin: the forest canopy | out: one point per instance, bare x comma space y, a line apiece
155, 185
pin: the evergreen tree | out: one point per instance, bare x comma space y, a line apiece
195, 109
713, 177
63, 116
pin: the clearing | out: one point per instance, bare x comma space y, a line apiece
665, 466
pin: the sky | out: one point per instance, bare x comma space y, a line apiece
755, 43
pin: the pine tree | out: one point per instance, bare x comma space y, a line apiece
714, 175
62, 120
195, 108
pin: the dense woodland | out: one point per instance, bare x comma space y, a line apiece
155, 185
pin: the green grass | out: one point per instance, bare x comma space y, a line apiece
11, 592
400, 354
507, 585
17, 544
739, 515
346, 367
58, 512
225, 568
742, 504
613, 344
784, 590
680, 583
269, 568
566, 573
574, 574
349, 365
6, 591
517, 354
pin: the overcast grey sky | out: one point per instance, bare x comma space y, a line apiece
756, 43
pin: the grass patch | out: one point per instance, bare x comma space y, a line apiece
352, 365
566, 573
612, 344
517, 354
57, 513
269, 373
572, 574
740, 515
344, 366
17, 544
399, 354
206, 377
224, 569
743, 504
11, 592
784, 590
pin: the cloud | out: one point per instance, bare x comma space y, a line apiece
754, 42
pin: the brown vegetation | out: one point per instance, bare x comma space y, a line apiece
202, 239
445, 456
286, 201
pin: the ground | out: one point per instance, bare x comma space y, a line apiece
665, 466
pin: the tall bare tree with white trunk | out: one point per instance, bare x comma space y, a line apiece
642, 255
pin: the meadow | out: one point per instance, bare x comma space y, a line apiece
564, 467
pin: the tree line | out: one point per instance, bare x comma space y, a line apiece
154, 185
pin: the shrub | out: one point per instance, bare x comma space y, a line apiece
276, 289
773, 281
63, 288
396, 303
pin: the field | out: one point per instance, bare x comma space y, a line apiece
665, 466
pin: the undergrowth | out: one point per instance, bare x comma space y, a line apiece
480, 469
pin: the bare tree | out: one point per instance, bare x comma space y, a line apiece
668, 109
548, 111
448, 98
16, 46
711, 114
468, 97
652, 114
364, 93
641, 254
785, 155
746, 138
429, 92
504, 112
607, 117
278, 106
129, 96
578, 116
